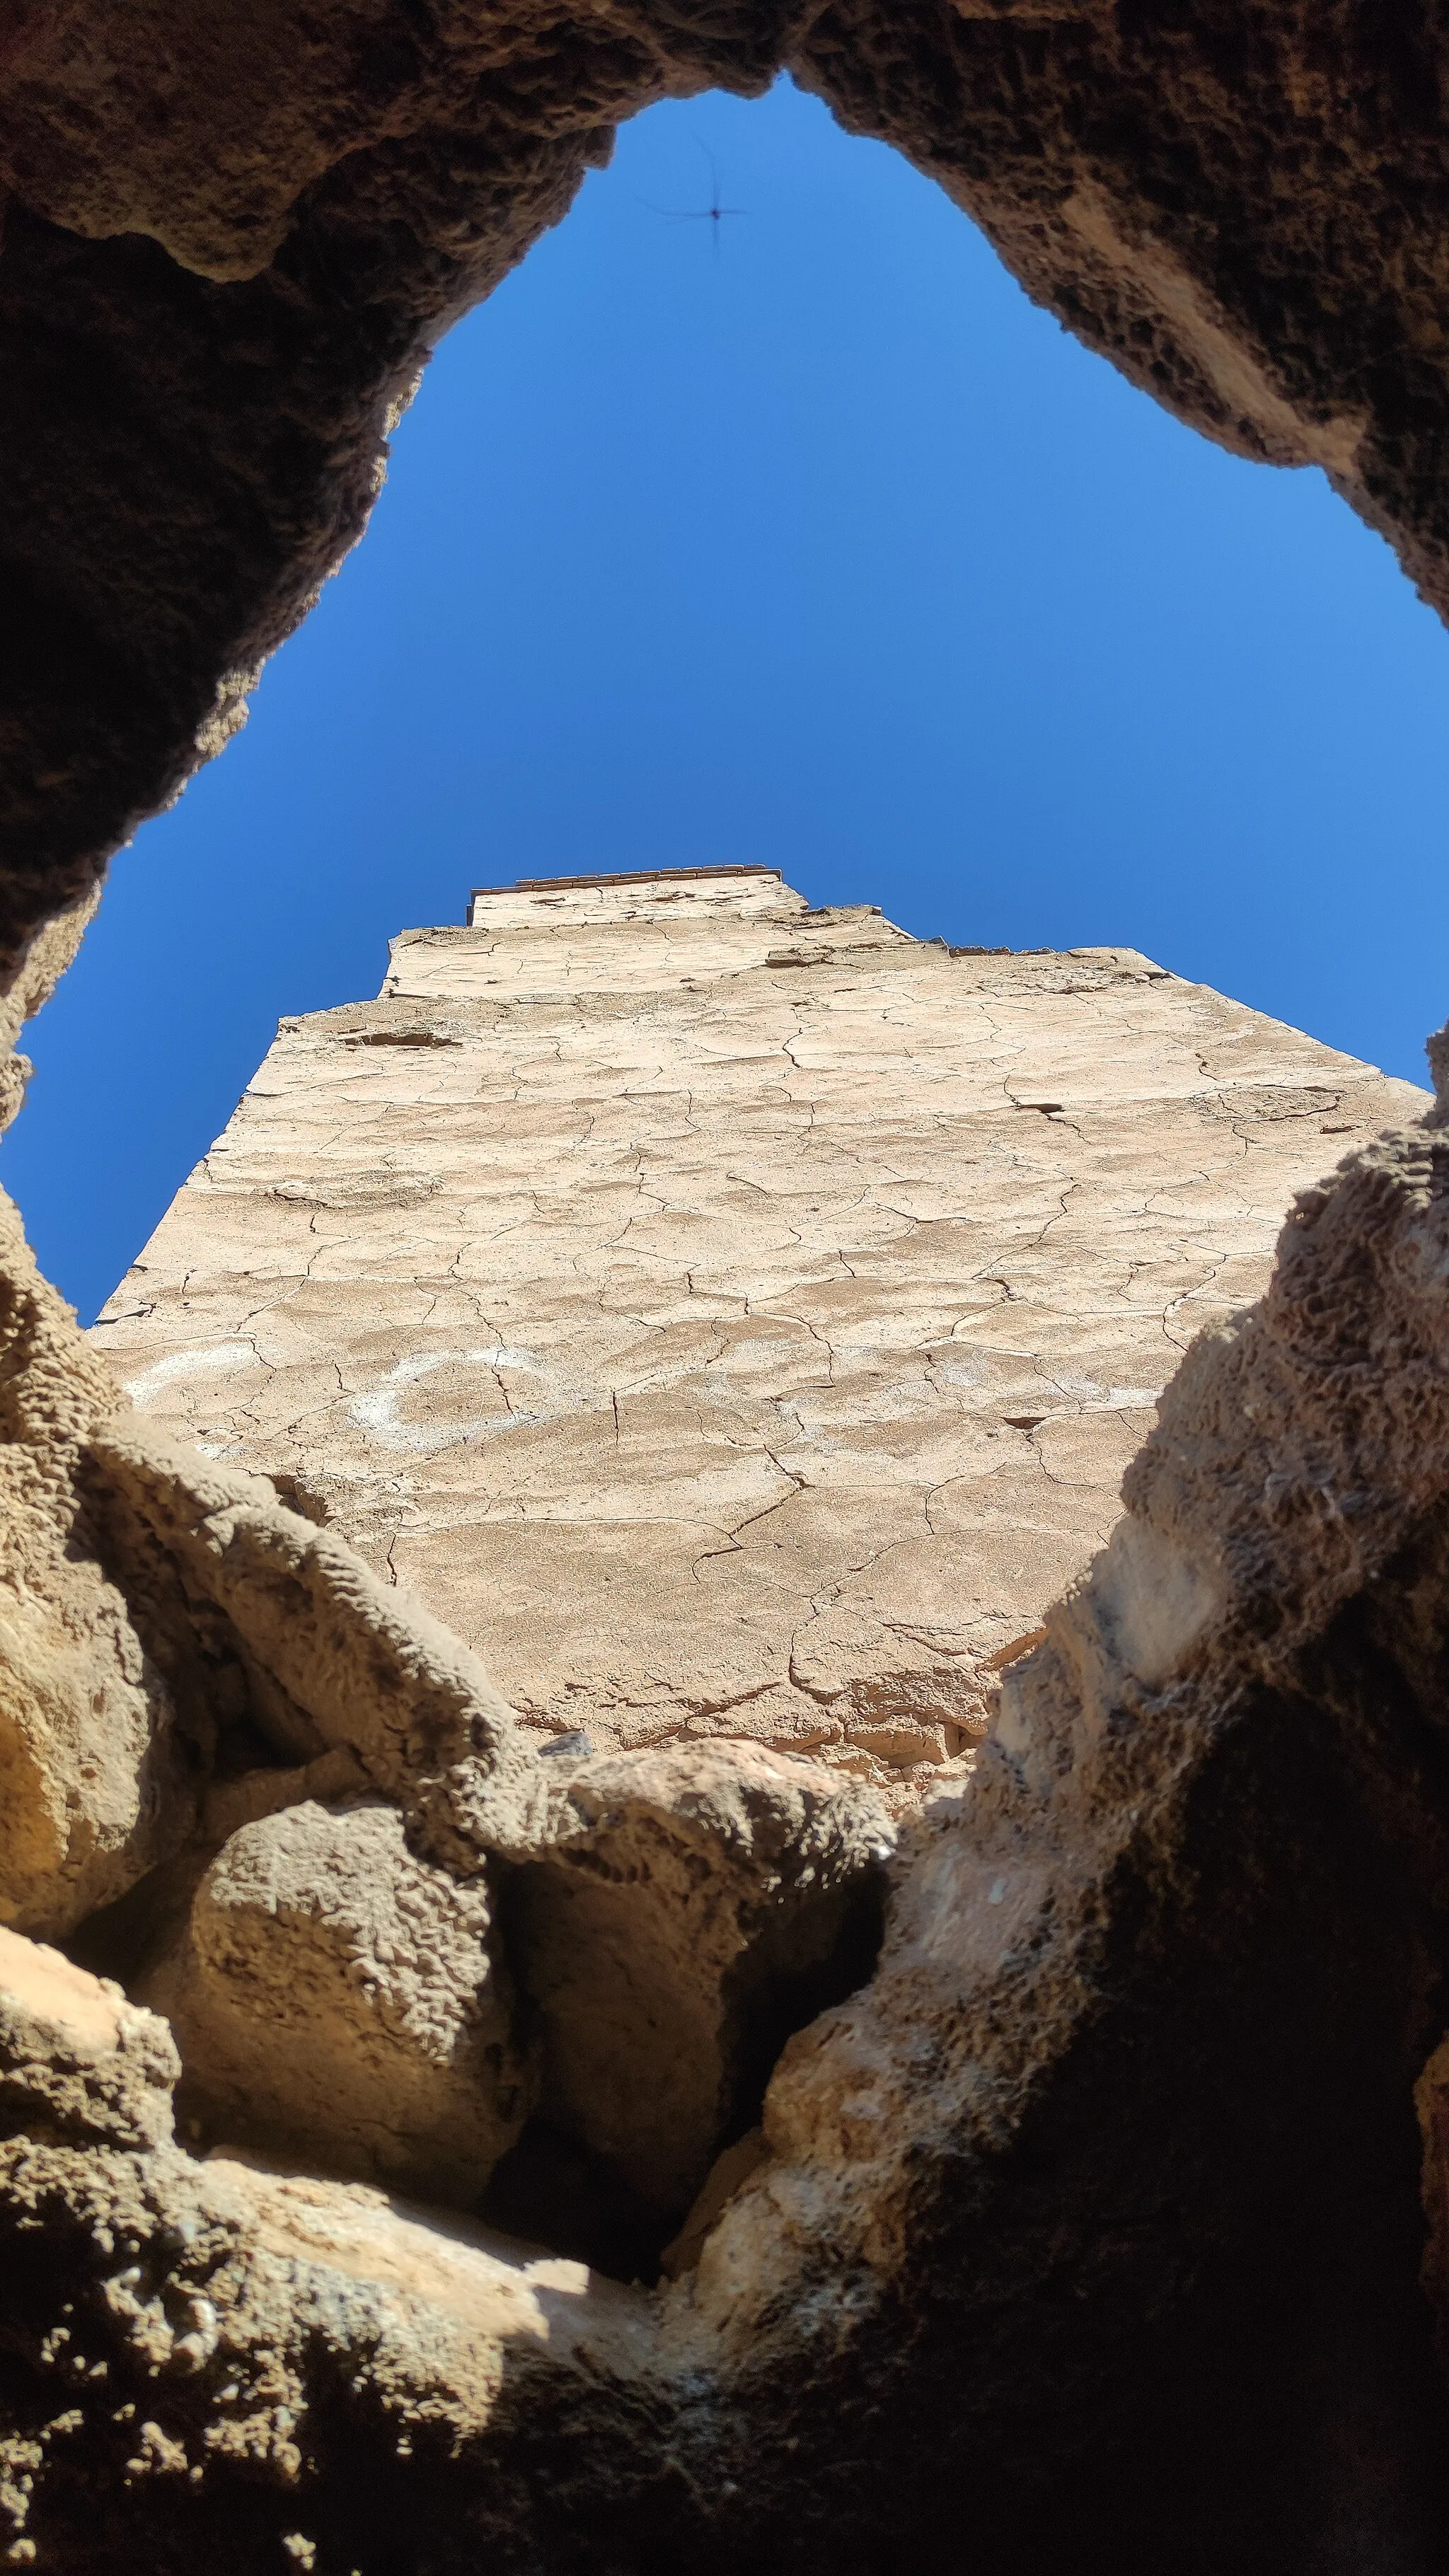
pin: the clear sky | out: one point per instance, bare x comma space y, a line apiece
802, 539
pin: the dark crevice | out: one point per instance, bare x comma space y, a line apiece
551, 2192
122, 1939
561, 2189
300, 1498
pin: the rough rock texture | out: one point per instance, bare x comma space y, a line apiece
78, 2063
687, 1910
315, 1904
47, 954
1105, 2186
337, 2000
94, 1782
1086, 2233
323, 1654
229, 248
733, 1320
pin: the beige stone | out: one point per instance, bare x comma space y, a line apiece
341, 2000
689, 1909
731, 1319
95, 1786
78, 2063
330, 1658
1124, 2080
1084, 2235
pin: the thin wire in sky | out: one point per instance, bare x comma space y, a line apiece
714, 214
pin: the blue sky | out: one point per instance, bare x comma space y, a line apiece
813, 544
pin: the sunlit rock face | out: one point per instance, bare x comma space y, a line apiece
730, 1318
1085, 2231
785, 2149
1054, 2140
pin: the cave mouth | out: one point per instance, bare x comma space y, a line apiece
203, 350
222, 272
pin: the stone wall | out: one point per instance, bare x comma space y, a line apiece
730, 1318
1066, 2208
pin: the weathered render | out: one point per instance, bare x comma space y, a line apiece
1084, 2228
1094, 2055
730, 1319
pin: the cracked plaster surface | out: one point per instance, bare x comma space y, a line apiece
731, 1318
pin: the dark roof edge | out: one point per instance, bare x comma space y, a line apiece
630, 877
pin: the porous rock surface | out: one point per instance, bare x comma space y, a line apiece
78, 2062
1085, 2232
94, 1785
686, 1911
1106, 2182
228, 249
336, 1999
278, 1623
733, 1320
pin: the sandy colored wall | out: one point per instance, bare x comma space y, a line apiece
730, 1318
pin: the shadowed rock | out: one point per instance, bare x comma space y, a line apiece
1086, 2233
79, 2065
1115, 2150
688, 1910
96, 1786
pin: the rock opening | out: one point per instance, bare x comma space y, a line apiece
1085, 2231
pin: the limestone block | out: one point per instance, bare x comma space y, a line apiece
339, 2000
79, 2064
693, 1907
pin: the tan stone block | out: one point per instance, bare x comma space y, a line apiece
690, 1907
339, 2000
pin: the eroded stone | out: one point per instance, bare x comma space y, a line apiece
338, 1999
331, 1659
1112, 2157
78, 2063
260, 244
688, 1910
95, 1785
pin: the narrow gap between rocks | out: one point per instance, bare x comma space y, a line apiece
633, 2206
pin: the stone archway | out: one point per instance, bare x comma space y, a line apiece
1088, 2228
